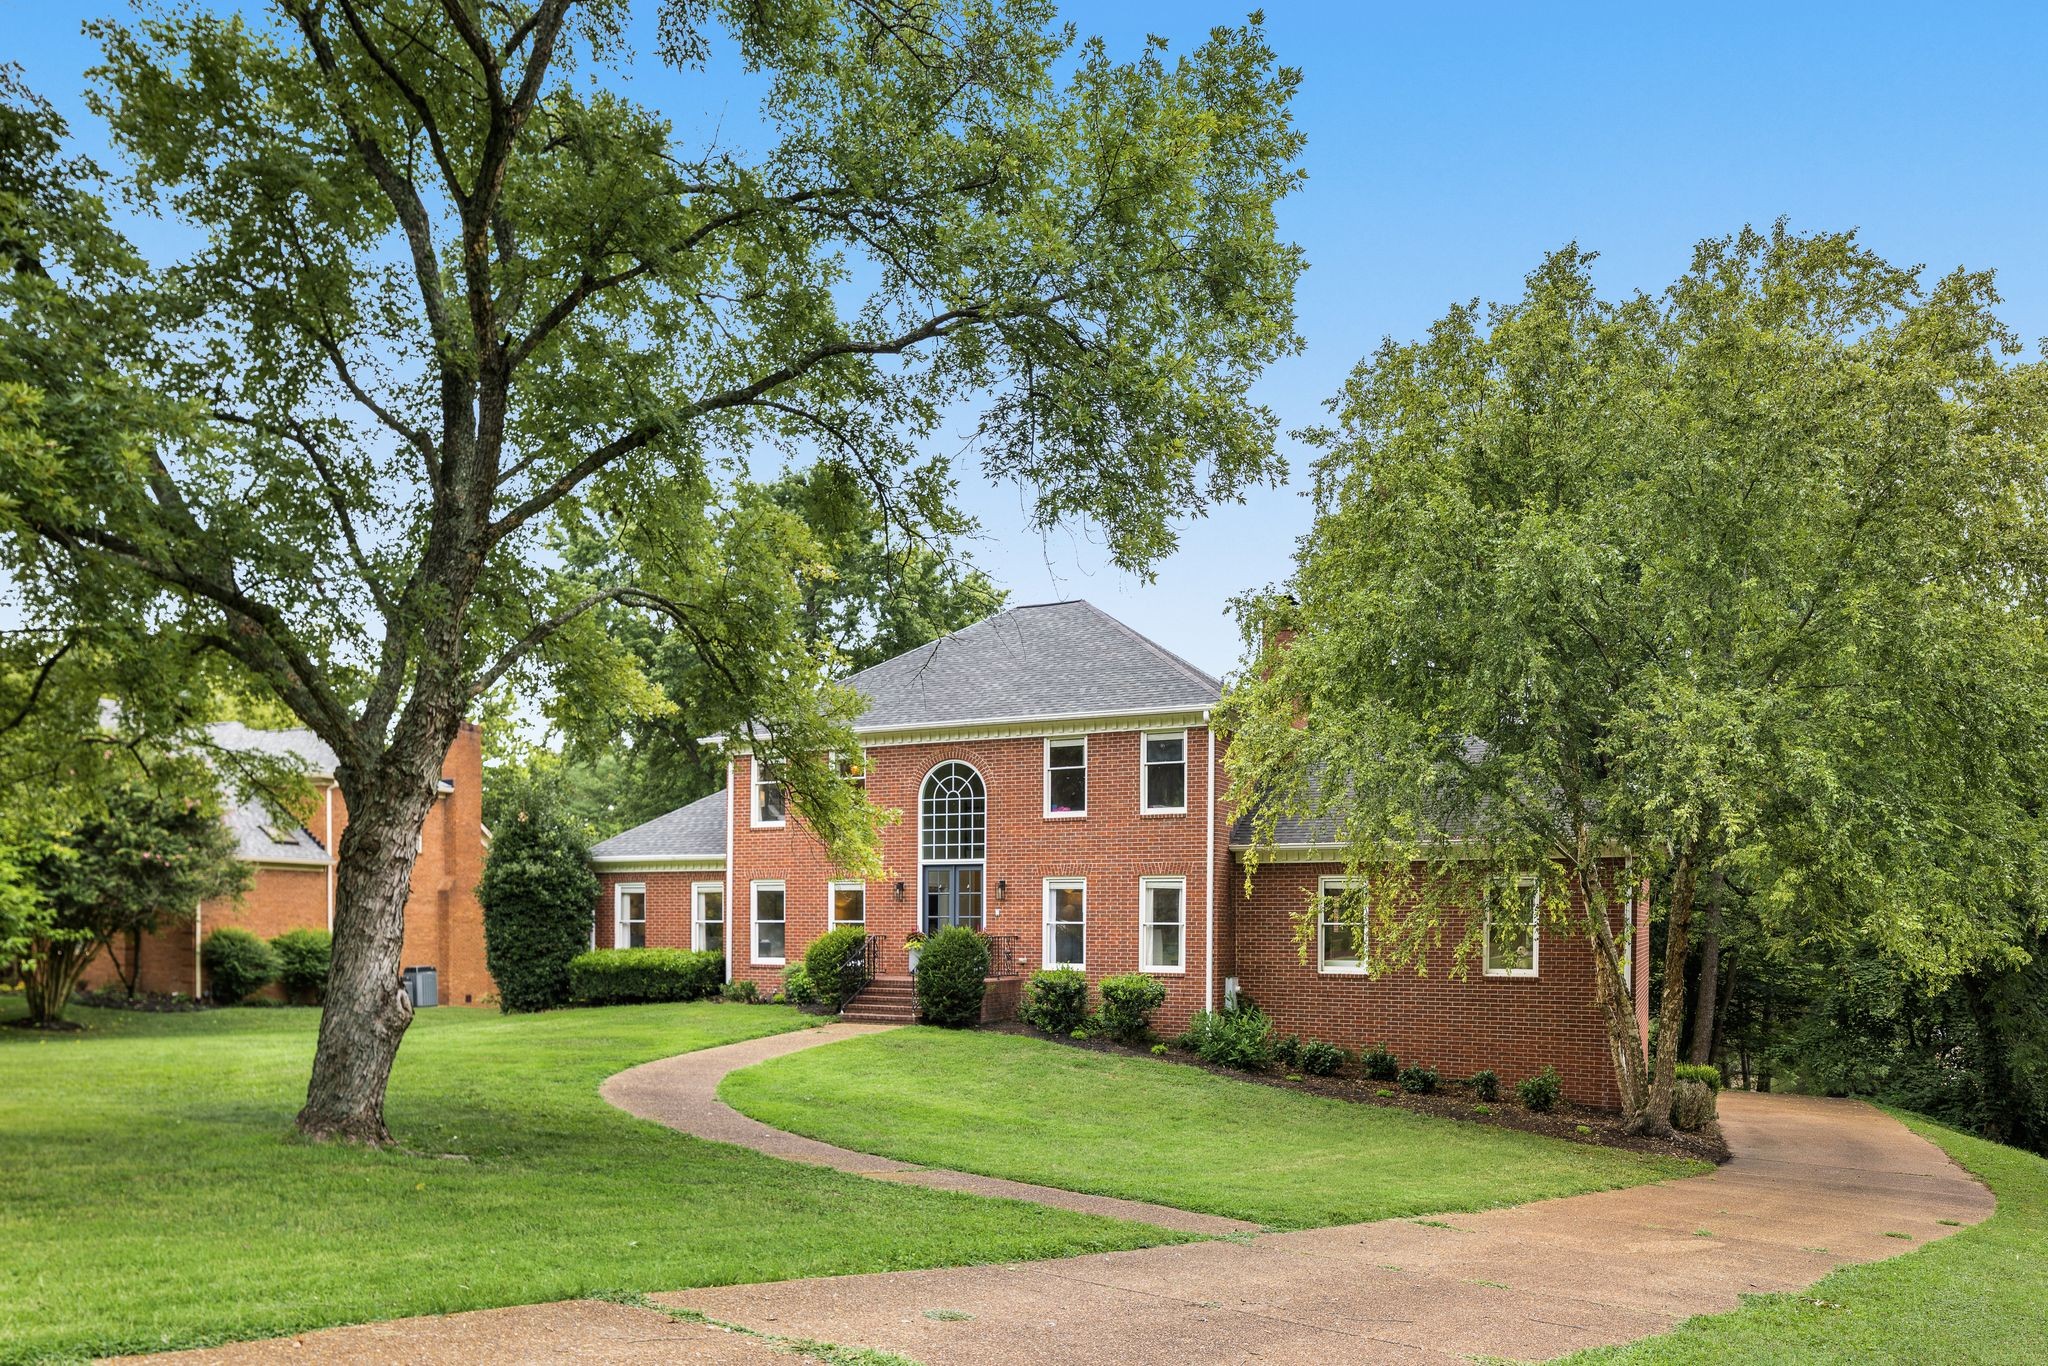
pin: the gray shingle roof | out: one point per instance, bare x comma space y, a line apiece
693, 831
249, 818
300, 743
1050, 659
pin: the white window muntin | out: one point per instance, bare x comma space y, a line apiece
703, 896
762, 786
1330, 891
846, 903
1147, 764
768, 931
629, 903
952, 807
1535, 903
1066, 922
1065, 773
1156, 929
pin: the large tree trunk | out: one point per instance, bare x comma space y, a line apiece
1656, 1116
366, 1013
1703, 1007
1611, 994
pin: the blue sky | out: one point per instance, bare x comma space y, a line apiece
1449, 147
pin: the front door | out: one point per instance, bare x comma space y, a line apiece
952, 896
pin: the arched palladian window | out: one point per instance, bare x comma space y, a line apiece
954, 808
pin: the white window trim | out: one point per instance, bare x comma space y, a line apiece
1145, 808
619, 922
754, 921
1065, 741
1535, 934
697, 922
1055, 884
754, 799
1145, 886
832, 891
1325, 886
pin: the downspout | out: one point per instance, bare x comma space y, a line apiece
1209, 880
198, 980
330, 857
728, 909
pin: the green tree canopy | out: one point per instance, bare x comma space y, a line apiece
1743, 575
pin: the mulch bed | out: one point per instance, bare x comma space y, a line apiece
152, 1003
1569, 1122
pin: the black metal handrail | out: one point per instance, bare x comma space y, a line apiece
857, 969
1005, 955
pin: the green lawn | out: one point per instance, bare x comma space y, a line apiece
1977, 1296
1030, 1110
149, 1196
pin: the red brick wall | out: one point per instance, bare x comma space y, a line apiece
1113, 846
1458, 1025
668, 905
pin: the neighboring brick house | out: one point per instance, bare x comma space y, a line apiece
293, 873
1061, 791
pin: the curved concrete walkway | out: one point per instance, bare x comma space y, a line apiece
682, 1093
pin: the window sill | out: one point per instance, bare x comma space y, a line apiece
1360, 971
1512, 974
1162, 811
768, 962
1066, 815
768, 825
1055, 967
1165, 972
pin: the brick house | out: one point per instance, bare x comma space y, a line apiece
292, 886
1061, 791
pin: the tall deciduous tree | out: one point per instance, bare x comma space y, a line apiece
1745, 576
451, 300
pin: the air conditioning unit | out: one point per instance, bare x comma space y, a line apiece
422, 987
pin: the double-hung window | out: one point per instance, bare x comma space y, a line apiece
855, 770
707, 917
770, 912
1340, 926
632, 912
849, 904
1511, 931
1066, 922
1165, 777
769, 806
1162, 922
1066, 777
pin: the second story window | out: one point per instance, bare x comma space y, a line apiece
1066, 777
1166, 772
953, 811
768, 800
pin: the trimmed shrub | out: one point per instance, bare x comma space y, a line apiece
825, 963
742, 992
1319, 1059
1379, 1063
1419, 1080
237, 963
796, 986
1485, 1084
538, 895
303, 959
1705, 1073
1692, 1104
610, 977
1242, 1038
1540, 1092
952, 973
1056, 1001
1287, 1051
1127, 1005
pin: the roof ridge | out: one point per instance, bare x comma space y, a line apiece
1154, 646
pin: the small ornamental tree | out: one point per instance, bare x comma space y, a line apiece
539, 896
145, 861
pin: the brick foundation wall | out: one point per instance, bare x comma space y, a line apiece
1457, 1025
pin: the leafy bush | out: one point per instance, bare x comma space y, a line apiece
303, 958
609, 977
952, 973
1241, 1038
1485, 1084
1319, 1059
1419, 1080
1127, 1005
1692, 1104
825, 963
1379, 1063
743, 992
1056, 1001
538, 895
796, 985
1287, 1050
1540, 1092
237, 963
1705, 1073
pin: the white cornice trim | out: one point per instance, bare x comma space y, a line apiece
1019, 727
649, 863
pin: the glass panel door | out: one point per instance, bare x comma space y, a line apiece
952, 896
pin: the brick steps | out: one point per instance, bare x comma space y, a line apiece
886, 1000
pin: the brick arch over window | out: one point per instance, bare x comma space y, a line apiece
953, 815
